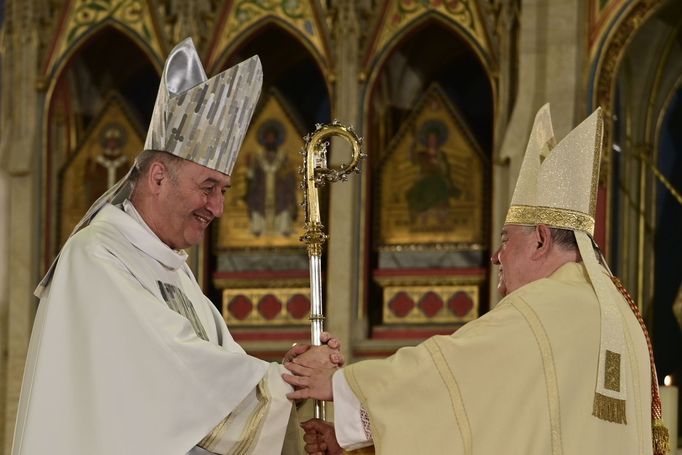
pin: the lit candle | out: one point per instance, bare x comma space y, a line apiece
669, 403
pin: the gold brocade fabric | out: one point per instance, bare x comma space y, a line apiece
554, 217
557, 185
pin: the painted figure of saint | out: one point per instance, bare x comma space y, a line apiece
105, 169
428, 198
271, 184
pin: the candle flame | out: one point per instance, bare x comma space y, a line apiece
668, 380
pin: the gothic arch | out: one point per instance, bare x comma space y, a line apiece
387, 112
251, 32
615, 40
61, 138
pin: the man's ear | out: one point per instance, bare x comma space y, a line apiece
543, 239
156, 175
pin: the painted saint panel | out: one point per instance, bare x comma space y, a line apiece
431, 179
104, 156
263, 205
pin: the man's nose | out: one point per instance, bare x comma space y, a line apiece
215, 203
495, 258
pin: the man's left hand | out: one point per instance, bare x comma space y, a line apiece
310, 381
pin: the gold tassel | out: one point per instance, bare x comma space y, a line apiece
609, 409
660, 438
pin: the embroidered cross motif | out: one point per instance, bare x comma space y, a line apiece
178, 302
612, 371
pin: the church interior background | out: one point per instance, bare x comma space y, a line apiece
444, 93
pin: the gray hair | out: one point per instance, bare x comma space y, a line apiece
565, 238
145, 159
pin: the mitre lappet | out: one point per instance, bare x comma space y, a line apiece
199, 119
557, 186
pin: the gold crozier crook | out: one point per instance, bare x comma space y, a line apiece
315, 175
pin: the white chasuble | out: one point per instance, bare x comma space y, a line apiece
519, 380
128, 356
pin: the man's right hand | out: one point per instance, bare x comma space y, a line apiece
320, 438
326, 356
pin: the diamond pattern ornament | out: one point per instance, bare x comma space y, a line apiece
430, 304
401, 304
298, 306
240, 307
269, 306
460, 304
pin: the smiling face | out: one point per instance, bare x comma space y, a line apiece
187, 200
514, 257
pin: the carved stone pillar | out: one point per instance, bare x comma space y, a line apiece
551, 55
344, 215
19, 154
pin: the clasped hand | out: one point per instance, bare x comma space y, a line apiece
312, 368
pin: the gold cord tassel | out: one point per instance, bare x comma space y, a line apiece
661, 438
659, 433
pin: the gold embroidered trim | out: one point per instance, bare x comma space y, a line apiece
596, 163
612, 371
609, 409
210, 441
551, 380
454, 392
254, 424
554, 217
251, 429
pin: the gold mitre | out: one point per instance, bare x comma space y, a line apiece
199, 119
557, 185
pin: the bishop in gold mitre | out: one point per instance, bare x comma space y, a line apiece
562, 365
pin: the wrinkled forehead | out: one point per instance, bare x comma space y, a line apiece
201, 173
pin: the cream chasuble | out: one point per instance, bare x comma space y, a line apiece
517, 381
128, 356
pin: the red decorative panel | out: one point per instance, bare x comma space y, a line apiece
430, 304
460, 304
240, 307
269, 306
298, 306
401, 304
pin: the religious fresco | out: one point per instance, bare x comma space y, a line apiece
104, 156
264, 201
431, 179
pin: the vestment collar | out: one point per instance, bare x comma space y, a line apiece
127, 220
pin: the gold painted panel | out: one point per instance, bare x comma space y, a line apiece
299, 14
401, 14
270, 306
263, 205
105, 155
432, 179
433, 304
83, 16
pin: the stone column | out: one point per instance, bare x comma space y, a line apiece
552, 47
18, 152
344, 211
